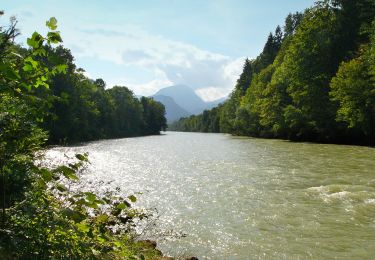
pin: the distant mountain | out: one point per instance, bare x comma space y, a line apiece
173, 111
185, 97
182, 101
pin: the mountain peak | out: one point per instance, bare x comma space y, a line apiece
182, 101
173, 110
175, 88
184, 96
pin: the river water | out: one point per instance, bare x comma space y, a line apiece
244, 198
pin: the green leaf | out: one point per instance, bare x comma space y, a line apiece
61, 187
76, 216
116, 212
117, 243
46, 175
27, 67
132, 198
35, 41
84, 227
54, 37
61, 68
82, 157
103, 218
52, 23
31, 62
31, 43
41, 184
8, 72
121, 206
40, 52
67, 172
92, 205
90, 196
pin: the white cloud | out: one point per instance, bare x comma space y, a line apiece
211, 93
135, 50
137, 46
149, 88
233, 69
230, 73
136, 57
145, 88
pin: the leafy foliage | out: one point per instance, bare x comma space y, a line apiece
313, 80
353, 88
40, 216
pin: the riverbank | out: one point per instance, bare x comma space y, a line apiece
294, 140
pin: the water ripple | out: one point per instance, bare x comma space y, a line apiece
244, 198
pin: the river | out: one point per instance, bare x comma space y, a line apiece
244, 198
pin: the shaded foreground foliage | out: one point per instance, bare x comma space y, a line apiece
313, 81
44, 97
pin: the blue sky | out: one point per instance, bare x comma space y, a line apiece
147, 45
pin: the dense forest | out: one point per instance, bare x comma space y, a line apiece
45, 98
71, 106
314, 80
81, 109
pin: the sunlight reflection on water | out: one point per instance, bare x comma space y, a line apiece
241, 198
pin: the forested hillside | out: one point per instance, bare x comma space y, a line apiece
314, 80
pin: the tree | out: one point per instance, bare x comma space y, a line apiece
100, 83
40, 217
20, 136
153, 116
306, 70
227, 113
353, 88
313, 81
292, 21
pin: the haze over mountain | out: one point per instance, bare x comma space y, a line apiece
182, 101
215, 103
173, 111
185, 97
